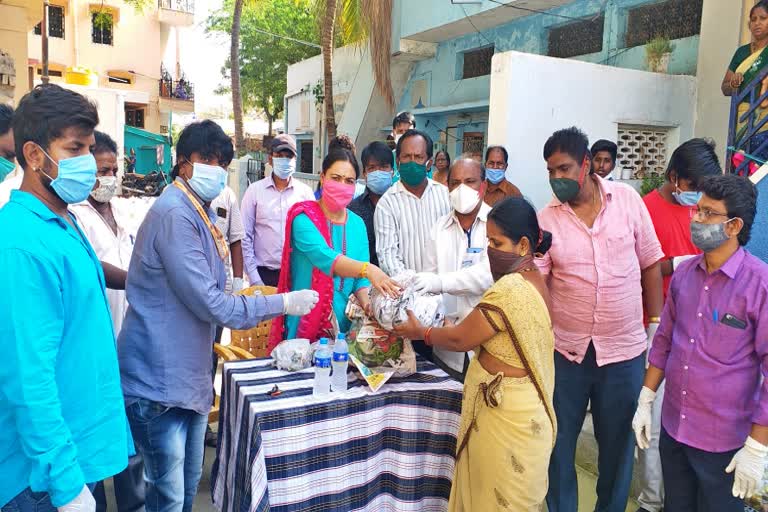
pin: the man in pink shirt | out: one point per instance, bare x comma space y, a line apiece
602, 268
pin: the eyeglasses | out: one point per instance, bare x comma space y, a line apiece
705, 213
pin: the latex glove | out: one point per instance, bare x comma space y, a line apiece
300, 302
426, 282
84, 502
650, 332
641, 423
677, 260
237, 284
748, 465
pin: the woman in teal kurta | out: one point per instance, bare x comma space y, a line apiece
327, 250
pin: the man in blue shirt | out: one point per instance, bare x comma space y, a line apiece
62, 417
176, 298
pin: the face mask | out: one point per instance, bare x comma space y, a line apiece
284, 167
708, 237
379, 182
495, 176
6, 167
566, 189
75, 179
464, 199
412, 173
503, 262
688, 198
106, 190
208, 181
337, 196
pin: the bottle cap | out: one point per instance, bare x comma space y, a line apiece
323, 341
341, 336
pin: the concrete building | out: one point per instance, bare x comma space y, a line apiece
443, 70
17, 18
136, 53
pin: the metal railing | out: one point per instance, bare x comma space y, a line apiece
187, 6
742, 129
177, 90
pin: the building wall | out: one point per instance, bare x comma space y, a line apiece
13, 41
596, 98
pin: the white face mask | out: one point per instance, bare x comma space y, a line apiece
464, 199
106, 190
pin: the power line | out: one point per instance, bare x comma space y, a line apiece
474, 27
306, 43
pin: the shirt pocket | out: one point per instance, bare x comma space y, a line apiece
727, 344
620, 258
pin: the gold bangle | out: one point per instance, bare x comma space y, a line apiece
654, 320
364, 270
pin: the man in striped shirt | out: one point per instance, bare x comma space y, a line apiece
408, 210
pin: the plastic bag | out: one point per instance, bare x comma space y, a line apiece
389, 311
293, 355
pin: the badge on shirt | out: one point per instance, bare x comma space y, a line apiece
221, 212
471, 257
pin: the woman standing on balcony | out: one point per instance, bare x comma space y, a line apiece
748, 62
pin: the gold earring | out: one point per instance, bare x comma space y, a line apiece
523, 254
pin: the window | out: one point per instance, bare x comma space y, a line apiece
477, 62
642, 150
579, 38
472, 145
55, 22
101, 28
135, 117
307, 150
51, 72
673, 19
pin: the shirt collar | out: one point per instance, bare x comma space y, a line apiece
730, 267
33, 204
207, 209
271, 182
399, 187
606, 190
482, 216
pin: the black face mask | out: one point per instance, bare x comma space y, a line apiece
503, 262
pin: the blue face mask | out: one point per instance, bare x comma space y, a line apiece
379, 181
6, 167
208, 181
687, 198
75, 179
283, 167
495, 176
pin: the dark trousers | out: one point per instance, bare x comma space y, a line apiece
270, 276
613, 390
29, 501
695, 480
130, 489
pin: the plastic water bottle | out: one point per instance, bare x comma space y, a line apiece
323, 358
340, 363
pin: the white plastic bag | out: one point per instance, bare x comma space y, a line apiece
293, 355
390, 312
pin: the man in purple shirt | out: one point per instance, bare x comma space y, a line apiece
712, 348
264, 208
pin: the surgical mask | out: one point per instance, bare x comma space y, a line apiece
566, 189
379, 181
495, 176
283, 167
75, 179
708, 237
208, 181
336, 195
6, 167
686, 198
106, 190
503, 262
464, 199
412, 173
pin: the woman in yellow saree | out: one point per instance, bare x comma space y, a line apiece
508, 424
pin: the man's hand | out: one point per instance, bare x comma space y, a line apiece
300, 302
748, 465
426, 282
650, 332
641, 423
84, 502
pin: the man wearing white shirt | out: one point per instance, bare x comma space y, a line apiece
10, 174
456, 259
230, 223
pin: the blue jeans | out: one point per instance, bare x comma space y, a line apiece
129, 488
696, 480
171, 442
28, 501
613, 390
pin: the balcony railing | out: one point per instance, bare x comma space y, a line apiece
743, 128
177, 90
187, 6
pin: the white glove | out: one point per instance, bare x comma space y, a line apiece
426, 282
237, 284
84, 502
650, 332
300, 302
641, 423
748, 464
677, 260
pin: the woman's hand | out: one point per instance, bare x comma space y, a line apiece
382, 282
364, 299
411, 328
736, 80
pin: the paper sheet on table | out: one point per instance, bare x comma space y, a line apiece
374, 379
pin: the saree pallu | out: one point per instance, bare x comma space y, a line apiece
750, 67
504, 463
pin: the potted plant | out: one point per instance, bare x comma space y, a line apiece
657, 52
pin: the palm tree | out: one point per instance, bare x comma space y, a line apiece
357, 21
237, 97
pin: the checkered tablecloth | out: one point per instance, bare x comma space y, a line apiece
389, 451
